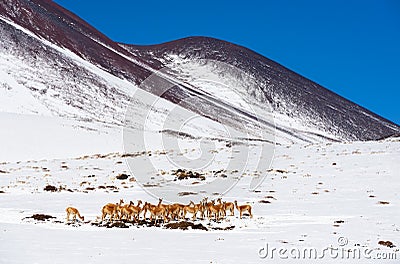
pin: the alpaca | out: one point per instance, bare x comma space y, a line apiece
175, 211
216, 210
191, 209
243, 208
156, 211
112, 210
130, 211
228, 206
71, 211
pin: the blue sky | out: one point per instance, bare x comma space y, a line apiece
350, 47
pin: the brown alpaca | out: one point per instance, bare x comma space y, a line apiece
228, 206
130, 211
112, 210
231, 207
206, 206
162, 205
216, 210
71, 211
243, 208
202, 209
175, 210
156, 211
147, 207
151, 207
191, 208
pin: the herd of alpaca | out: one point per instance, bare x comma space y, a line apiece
166, 212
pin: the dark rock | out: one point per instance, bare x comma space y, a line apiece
184, 225
386, 244
186, 193
183, 174
224, 228
50, 188
122, 176
118, 224
40, 217
383, 202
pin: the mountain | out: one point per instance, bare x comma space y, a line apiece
54, 63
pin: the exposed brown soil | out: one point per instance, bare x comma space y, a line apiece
184, 225
50, 188
125, 223
122, 176
184, 174
186, 193
223, 228
119, 224
150, 185
386, 244
40, 217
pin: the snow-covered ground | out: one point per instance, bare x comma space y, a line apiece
342, 196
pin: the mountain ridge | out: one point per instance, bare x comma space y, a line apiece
190, 48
